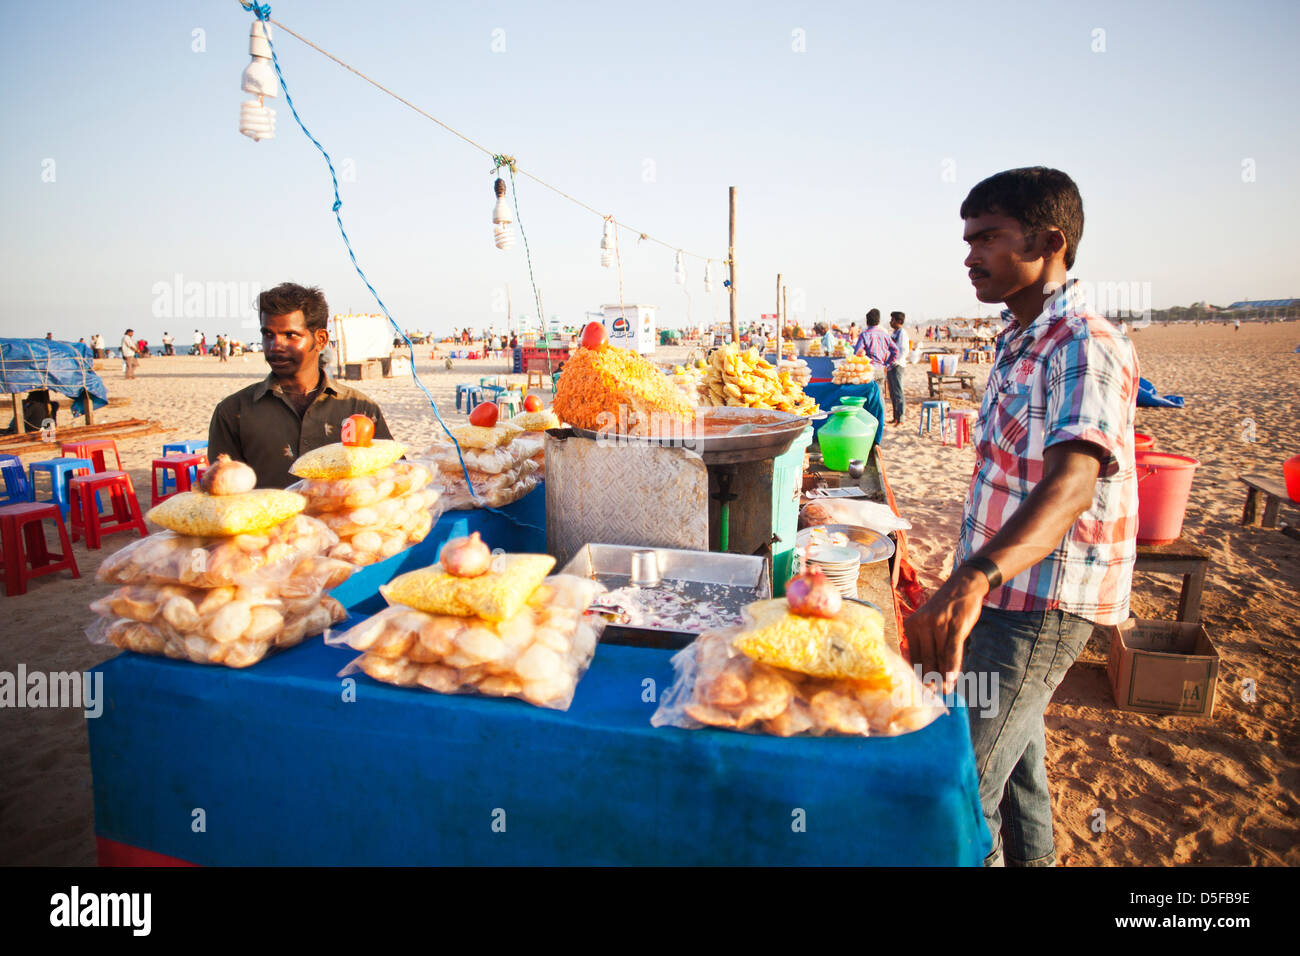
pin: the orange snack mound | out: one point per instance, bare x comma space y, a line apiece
596, 382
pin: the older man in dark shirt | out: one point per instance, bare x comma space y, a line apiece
297, 407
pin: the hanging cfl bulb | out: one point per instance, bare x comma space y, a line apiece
681, 268
256, 119
502, 225
607, 244
708, 275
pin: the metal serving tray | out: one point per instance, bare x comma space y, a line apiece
698, 591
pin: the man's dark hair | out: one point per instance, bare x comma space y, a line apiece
130, 331
1036, 197
873, 317
896, 316
290, 297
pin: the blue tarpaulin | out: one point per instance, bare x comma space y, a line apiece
64, 367
1148, 398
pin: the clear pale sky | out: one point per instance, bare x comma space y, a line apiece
852, 131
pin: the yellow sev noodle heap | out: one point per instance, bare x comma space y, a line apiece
596, 382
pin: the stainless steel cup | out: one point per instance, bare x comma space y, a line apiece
856, 467
645, 569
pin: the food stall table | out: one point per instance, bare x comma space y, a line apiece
272, 765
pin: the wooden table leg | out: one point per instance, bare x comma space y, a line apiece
1270, 511
89, 406
1189, 602
1248, 513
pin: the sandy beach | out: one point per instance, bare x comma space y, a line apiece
1172, 790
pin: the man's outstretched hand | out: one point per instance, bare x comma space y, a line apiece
937, 631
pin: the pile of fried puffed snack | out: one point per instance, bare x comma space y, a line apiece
786, 674
477, 623
376, 504
230, 579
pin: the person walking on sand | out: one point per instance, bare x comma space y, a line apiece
129, 359
167, 341
894, 374
198, 344
875, 343
1048, 533
223, 347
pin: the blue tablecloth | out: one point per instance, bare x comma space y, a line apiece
828, 396
288, 772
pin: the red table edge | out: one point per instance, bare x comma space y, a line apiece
112, 853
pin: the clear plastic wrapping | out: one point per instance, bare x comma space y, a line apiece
479, 461
338, 494
538, 655
289, 554
236, 627
715, 685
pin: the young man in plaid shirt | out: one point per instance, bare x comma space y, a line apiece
1048, 531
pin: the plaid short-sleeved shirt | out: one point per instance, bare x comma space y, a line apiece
1069, 376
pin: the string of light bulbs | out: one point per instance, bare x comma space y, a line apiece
262, 123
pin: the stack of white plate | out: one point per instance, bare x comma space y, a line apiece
837, 562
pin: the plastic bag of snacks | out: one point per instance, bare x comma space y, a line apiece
381, 530
348, 461
537, 421
290, 554
336, 494
196, 513
716, 685
850, 644
477, 436
495, 492
538, 655
498, 593
215, 628
479, 461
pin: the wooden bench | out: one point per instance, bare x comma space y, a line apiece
962, 380
1181, 558
1274, 493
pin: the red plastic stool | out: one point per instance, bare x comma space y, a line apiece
961, 420
178, 466
20, 565
86, 518
95, 449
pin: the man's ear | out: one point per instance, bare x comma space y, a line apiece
1053, 243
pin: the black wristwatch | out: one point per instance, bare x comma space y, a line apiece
987, 568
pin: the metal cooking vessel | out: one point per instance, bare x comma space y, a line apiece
773, 434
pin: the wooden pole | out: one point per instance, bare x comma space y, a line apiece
731, 262
780, 316
785, 303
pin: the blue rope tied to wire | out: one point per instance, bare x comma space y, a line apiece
263, 13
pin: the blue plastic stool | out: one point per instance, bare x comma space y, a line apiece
460, 393
61, 471
924, 422
193, 446
473, 397
17, 488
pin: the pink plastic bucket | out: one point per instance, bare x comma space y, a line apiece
1164, 484
1143, 442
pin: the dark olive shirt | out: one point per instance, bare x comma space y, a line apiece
258, 425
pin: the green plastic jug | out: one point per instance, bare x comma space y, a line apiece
849, 434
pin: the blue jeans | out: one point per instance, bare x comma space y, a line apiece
1027, 653
894, 376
